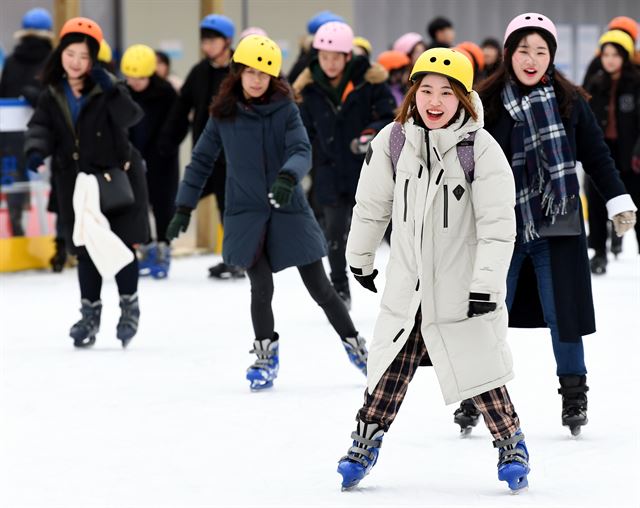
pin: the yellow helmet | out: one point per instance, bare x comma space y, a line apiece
259, 52
445, 61
104, 54
363, 43
138, 61
618, 37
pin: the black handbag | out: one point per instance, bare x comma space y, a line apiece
569, 224
116, 192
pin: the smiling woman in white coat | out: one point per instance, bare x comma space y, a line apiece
448, 189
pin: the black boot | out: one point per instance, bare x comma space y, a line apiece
616, 243
59, 258
128, 322
84, 331
598, 263
225, 271
574, 402
467, 416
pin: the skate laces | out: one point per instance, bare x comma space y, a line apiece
510, 452
366, 439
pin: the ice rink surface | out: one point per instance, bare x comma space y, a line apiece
171, 422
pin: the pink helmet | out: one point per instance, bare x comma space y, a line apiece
531, 20
405, 43
334, 36
252, 30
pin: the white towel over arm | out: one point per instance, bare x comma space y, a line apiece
92, 229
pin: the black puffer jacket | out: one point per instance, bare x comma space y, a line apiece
331, 128
627, 106
99, 141
21, 69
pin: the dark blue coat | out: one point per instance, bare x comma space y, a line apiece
260, 142
332, 128
569, 257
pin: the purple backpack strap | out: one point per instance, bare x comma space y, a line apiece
396, 142
466, 156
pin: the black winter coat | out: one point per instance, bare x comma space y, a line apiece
627, 106
332, 128
569, 257
20, 71
156, 102
99, 141
196, 94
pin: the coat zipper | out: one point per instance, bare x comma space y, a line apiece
395, 339
446, 206
406, 191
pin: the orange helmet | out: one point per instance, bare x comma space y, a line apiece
84, 26
392, 60
625, 24
475, 51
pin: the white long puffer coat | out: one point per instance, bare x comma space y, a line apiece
450, 238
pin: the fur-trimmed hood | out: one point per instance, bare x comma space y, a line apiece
362, 71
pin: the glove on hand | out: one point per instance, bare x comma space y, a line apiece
179, 223
360, 145
366, 281
623, 222
282, 189
102, 78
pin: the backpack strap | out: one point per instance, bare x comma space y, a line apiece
396, 143
466, 156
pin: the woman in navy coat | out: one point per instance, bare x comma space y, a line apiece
269, 225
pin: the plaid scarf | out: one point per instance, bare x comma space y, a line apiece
542, 162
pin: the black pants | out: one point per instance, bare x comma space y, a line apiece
163, 188
631, 181
319, 287
91, 280
598, 218
337, 221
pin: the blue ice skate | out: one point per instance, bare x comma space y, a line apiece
265, 369
357, 351
147, 258
159, 266
362, 455
513, 462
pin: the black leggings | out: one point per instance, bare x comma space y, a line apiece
315, 280
91, 280
337, 221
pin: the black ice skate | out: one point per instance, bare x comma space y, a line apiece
598, 264
574, 402
84, 331
225, 271
128, 322
467, 416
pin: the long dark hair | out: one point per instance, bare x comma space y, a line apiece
224, 103
53, 71
490, 89
628, 70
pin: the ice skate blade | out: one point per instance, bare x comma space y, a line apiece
465, 432
258, 387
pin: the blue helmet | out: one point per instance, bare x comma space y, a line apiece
219, 23
320, 19
37, 19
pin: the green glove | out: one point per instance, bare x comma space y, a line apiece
179, 223
282, 189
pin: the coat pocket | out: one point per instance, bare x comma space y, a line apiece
405, 195
445, 216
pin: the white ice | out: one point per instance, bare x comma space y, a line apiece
171, 422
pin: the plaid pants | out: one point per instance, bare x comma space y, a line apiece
383, 404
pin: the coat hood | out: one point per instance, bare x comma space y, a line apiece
32, 49
362, 71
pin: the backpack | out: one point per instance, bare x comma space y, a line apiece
464, 148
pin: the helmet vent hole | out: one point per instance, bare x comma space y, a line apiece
527, 17
447, 62
269, 62
259, 59
330, 41
540, 18
432, 59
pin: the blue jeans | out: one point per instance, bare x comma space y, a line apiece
569, 355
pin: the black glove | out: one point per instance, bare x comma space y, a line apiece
34, 161
102, 78
478, 305
366, 281
282, 189
179, 223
